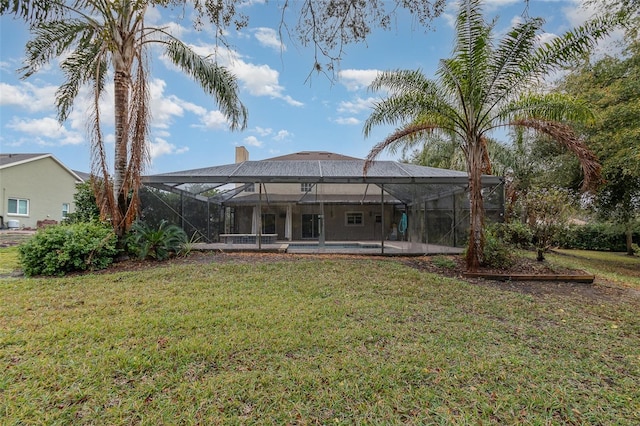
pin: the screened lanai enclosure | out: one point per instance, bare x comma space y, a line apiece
313, 200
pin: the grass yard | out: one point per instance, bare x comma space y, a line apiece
311, 341
615, 267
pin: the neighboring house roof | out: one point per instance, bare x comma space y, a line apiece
12, 160
84, 175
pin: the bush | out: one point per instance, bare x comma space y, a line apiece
595, 236
496, 251
56, 250
158, 243
514, 233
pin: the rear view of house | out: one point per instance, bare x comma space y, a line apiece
35, 187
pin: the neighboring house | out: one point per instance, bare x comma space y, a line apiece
326, 197
35, 187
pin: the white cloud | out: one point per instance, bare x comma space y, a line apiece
258, 80
214, 120
28, 96
495, 4
357, 79
268, 37
46, 130
263, 131
160, 146
282, 135
349, 121
252, 141
356, 106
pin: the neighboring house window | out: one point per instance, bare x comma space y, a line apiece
65, 209
306, 187
250, 188
354, 219
18, 206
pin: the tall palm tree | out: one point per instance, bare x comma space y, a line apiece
102, 39
487, 84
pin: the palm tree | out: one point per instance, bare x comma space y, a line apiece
486, 85
101, 39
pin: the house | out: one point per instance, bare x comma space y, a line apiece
35, 187
322, 196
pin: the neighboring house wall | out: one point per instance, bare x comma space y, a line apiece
46, 186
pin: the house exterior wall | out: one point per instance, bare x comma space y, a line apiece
335, 221
44, 183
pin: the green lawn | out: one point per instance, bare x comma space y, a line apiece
615, 267
315, 341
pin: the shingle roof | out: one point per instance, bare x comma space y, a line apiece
312, 155
317, 171
12, 160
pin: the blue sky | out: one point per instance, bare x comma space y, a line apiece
287, 112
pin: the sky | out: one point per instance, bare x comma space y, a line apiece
291, 109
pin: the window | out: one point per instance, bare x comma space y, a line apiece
18, 206
268, 223
65, 210
306, 186
354, 219
250, 187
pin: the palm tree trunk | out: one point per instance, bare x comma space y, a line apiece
475, 248
122, 84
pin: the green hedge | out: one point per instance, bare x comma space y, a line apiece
596, 236
56, 250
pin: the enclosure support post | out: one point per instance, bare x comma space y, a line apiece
259, 230
382, 218
454, 222
182, 210
208, 220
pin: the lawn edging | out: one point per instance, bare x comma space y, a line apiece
580, 278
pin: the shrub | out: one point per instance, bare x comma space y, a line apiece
444, 262
156, 243
593, 236
496, 251
56, 250
514, 233
86, 208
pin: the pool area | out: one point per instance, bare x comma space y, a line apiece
392, 248
334, 246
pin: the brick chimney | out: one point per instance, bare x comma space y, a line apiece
242, 154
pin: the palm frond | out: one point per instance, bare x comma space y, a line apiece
409, 133
565, 135
567, 48
80, 68
214, 79
52, 39
547, 107
33, 11
512, 51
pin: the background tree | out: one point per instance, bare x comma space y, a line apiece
612, 86
548, 211
488, 84
101, 39
86, 208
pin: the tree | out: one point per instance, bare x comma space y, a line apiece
101, 39
548, 211
612, 86
86, 208
484, 86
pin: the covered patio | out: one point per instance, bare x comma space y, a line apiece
327, 204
